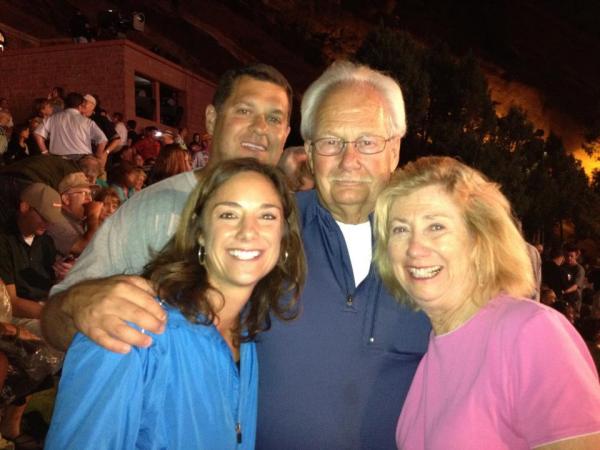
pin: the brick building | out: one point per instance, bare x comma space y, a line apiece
127, 77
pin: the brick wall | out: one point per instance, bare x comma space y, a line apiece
106, 68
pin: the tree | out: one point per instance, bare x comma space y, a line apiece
450, 112
399, 55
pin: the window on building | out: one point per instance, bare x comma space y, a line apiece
171, 110
168, 110
145, 104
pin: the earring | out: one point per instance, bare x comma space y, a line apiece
285, 258
201, 254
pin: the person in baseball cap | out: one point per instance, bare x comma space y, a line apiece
75, 180
44, 200
75, 192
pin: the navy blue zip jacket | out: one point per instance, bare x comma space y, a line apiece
336, 377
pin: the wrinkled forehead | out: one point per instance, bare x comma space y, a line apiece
357, 106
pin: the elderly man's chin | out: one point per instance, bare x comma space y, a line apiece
350, 197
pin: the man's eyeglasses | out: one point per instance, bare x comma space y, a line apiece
84, 193
367, 145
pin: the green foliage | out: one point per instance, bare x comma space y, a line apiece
399, 55
450, 112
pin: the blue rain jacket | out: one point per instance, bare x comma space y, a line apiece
183, 392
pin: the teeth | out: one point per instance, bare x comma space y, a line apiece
424, 272
244, 255
255, 147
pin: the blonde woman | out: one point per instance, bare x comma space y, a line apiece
501, 372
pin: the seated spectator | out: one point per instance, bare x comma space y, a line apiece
148, 147
200, 148
42, 108
32, 144
195, 139
56, 98
172, 160
182, 134
17, 147
92, 168
50, 170
80, 215
26, 364
27, 253
141, 179
128, 153
122, 177
5, 124
47, 169
110, 202
120, 128
132, 135
167, 138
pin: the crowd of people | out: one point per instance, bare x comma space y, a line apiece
63, 172
571, 285
385, 308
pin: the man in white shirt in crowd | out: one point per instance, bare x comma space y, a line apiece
70, 133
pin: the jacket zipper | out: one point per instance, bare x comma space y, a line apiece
238, 432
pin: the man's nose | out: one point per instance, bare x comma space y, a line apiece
259, 124
350, 155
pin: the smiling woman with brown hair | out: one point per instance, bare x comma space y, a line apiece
501, 371
237, 251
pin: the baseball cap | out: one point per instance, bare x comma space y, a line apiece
45, 200
75, 180
90, 98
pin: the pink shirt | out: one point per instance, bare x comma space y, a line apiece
515, 376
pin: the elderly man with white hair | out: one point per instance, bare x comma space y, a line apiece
337, 376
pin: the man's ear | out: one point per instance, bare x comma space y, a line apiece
210, 119
64, 198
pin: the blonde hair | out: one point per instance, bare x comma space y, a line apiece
500, 257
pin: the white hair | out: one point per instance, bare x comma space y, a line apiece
342, 72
